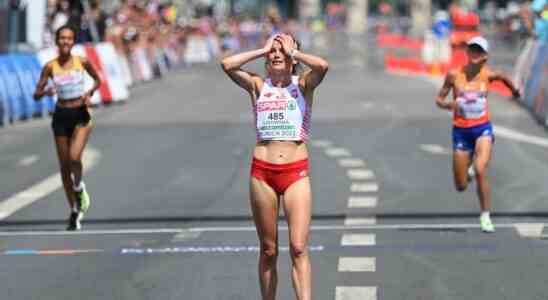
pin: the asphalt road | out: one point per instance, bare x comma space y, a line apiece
170, 216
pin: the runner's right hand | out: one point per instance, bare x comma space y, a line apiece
50, 91
269, 43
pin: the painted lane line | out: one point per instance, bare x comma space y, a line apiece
97, 232
51, 252
321, 143
253, 229
364, 187
42, 188
351, 162
521, 137
209, 249
362, 202
356, 293
28, 160
360, 174
360, 221
357, 264
337, 152
358, 240
529, 230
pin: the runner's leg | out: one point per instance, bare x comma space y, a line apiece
265, 206
297, 203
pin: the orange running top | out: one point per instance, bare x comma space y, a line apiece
472, 107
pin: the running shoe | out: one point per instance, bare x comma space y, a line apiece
74, 221
486, 224
82, 199
471, 172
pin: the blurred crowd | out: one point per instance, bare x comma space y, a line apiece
156, 24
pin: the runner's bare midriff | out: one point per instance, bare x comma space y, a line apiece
71, 103
280, 152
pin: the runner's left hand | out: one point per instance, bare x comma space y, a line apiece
288, 44
87, 98
516, 94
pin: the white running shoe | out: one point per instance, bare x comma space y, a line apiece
486, 224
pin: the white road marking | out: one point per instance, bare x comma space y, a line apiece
362, 202
360, 221
529, 230
94, 232
252, 229
434, 149
337, 152
368, 105
520, 137
351, 162
360, 174
43, 188
356, 293
321, 143
357, 264
364, 187
358, 240
28, 160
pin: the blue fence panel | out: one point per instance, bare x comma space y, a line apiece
36, 68
23, 71
3, 103
15, 100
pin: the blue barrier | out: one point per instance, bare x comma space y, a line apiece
19, 74
26, 75
3, 103
15, 100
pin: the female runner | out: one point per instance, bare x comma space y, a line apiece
282, 105
71, 120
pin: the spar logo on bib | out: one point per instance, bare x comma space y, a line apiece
292, 105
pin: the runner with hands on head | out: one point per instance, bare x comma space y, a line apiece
282, 104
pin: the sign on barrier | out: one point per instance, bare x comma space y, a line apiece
125, 70
112, 70
104, 88
197, 50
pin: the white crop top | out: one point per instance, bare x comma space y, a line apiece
282, 114
69, 83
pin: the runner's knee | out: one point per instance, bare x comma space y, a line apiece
269, 250
298, 249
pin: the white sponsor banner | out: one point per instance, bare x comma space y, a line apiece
142, 63
126, 70
112, 70
197, 50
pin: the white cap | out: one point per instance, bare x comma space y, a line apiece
481, 42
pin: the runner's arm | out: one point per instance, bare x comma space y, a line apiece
507, 82
318, 68
93, 73
444, 91
41, 90
232, 67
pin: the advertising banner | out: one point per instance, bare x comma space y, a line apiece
94, 59
112, 70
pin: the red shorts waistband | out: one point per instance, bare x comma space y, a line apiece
280, 167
